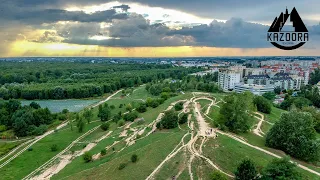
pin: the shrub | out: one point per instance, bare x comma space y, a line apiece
246, 170
122, 166
178, 106
30, 149
3, 128
142, 108
103, 152
216, 175
112, 107
130, 116
105, 126
183, 119
54, 148
134, 158
87, 157
170, 120
121, 123
263, 104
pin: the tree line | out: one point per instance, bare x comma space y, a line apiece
26, 120
67, 80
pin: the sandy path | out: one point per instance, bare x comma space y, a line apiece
190, 146
107, 99
58, 155
258, 130
32, 142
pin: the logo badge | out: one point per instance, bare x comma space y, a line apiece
288, 31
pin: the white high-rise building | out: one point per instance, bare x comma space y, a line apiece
228, 79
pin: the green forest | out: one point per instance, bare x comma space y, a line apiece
68, 80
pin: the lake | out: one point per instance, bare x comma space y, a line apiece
73, 105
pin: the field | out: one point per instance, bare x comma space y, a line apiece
162, 154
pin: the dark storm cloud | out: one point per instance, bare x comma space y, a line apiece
250, 10
135, 31
54, 15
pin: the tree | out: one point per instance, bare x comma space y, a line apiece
87, 157
281, 169
315, 77
246, 170
104, 113
80, 125
277, 90
130, 116
88, 115
178, 106
269, 95
105, 126
263, 104
316, 116
217, 175
294, 134
134, 158
129, 107
103, 152
184, 118
142, 108
35, 105
169, 120
235, 113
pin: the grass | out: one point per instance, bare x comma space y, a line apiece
228, 153
150, 153
275, 114
30, 160
6, 147
204, 103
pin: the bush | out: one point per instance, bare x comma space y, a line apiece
178, 106
87, 157
105, 126
54, 148
121, 123
281, 169
121, 105
170, 120
103, 152
30, 149
183, 119
3, 128
134, 158
263, 104
130, 116
122, 166
112, 107
294, 134
140, 121
39, 130
142, 108
246, 170
217, 175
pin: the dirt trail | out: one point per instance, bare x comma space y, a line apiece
32, 142
190, 146
53, 159
258, 130
107, 99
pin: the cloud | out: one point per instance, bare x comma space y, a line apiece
124, 7
29, 15
135, 31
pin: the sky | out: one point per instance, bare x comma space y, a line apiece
149, 28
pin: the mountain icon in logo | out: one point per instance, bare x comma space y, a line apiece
288, 40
